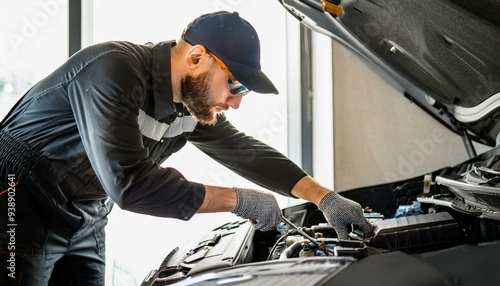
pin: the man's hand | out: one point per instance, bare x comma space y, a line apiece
259, 207
341, 212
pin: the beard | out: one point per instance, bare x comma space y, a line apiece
195, 95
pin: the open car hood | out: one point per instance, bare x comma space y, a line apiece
444, 54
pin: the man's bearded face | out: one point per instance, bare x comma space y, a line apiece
195, 95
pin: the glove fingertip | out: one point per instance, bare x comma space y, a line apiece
342, 232
368, 229
343, 237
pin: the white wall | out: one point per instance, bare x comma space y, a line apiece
380, 136
323, 155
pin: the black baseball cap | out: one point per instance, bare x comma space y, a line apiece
235, 42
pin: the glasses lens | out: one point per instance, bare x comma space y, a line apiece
237, 89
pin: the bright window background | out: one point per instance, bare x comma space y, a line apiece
138, 243
33, 42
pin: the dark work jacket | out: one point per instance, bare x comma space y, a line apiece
107, 117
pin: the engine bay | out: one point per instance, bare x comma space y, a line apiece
438, 222
420, 231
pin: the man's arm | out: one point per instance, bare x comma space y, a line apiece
310, 190
270, 169
218, 199
247, 156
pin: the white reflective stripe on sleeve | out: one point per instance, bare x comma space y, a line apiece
157, 130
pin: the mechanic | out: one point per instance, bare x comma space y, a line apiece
96, 130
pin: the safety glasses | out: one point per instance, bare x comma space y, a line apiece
235, 87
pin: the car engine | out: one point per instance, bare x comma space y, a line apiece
417, 229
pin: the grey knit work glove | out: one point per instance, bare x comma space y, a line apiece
341, 212
259, 207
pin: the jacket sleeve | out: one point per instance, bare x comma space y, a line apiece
106, 96
247, 156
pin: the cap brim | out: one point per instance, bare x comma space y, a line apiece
253, 78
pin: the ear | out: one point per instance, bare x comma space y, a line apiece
195, 55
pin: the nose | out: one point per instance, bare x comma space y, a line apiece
234, 101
